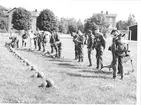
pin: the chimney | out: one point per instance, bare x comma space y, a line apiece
106, 12
101, 12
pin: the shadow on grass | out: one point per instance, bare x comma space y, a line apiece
60, 60
97, 72
87, 76
71, 66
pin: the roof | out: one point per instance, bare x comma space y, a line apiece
110, 15
11, 10
133, 26
33, 13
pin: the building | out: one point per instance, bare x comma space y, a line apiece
34, 15
133, 32
111, 18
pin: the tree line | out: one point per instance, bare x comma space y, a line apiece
47, 21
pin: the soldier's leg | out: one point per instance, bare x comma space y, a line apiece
120, 63
75, 49
81, 54
79, 57
51, 45
17, 43
59, 48
56, 49
35, 43
39, 45
43, 44
100, 58
97, 59
89, 57
115, 64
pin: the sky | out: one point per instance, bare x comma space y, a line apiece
80, 9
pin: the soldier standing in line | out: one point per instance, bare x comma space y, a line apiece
44, 40
113, 46
58, 45
35, 39
39, 40
24, 39
99, 44
52, 41
75, 45
90, 41
80, 41
120, 53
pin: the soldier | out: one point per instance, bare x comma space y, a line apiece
99, 44
75, 45
44, 40
39, 40
35, 39
90, 42
113, 46
52, 42
14, 41
24, 39
80, 41
120, 53
58, 45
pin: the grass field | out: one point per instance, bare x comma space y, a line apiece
75, 82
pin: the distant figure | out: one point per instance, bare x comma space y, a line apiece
80, 41
24, 39
75, 36
14, 41
44, 40
52, 42
31, 36
35, 40
58, 44
90, 47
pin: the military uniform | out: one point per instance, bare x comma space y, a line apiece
24, 40
120, 53
52, 43
99, 43
44, 41
14, 42
39, 39
75, 46
58, 45
90, 41
35, 40
80, 41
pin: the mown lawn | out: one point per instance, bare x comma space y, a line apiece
74, 82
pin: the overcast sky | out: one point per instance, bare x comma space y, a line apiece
80, 9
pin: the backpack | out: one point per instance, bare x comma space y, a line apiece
121, 48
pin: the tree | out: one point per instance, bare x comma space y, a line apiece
131, 20
46, 21
21, 19
72, 25
122, 25
97, 20
3, 19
